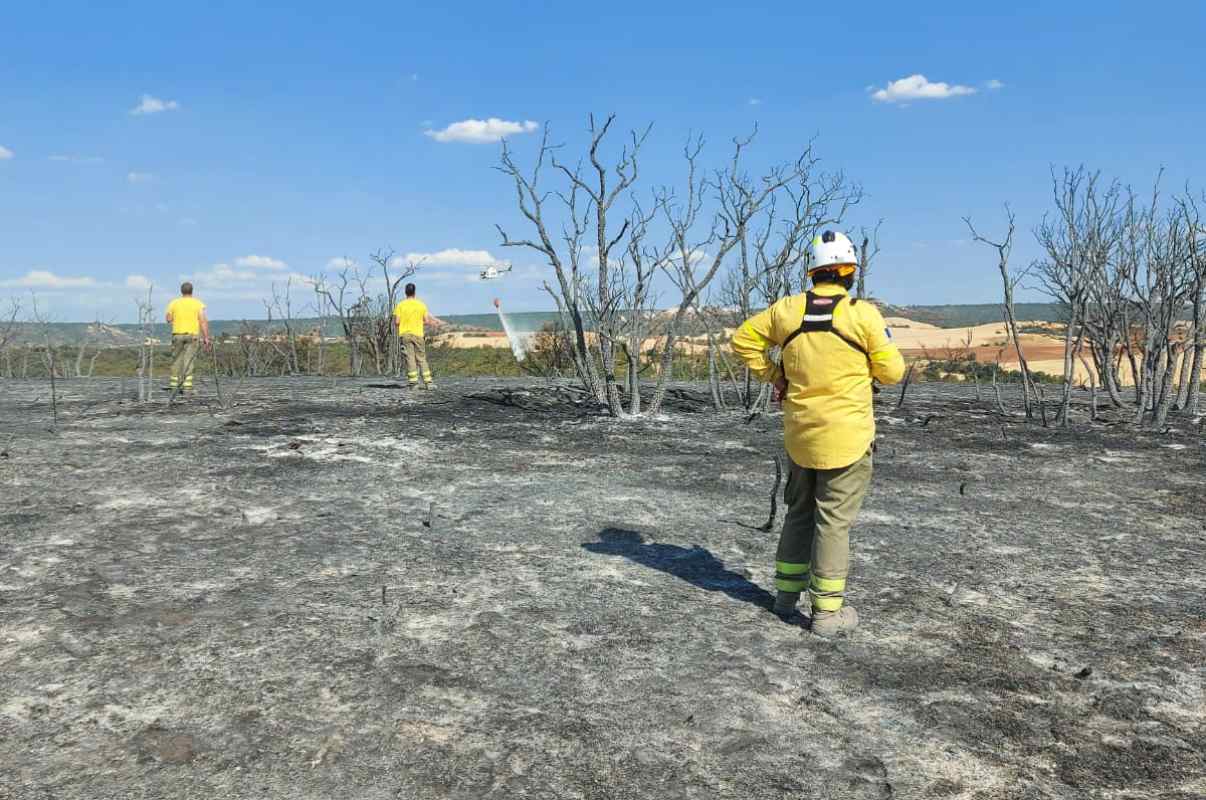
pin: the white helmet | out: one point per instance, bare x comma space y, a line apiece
832, 249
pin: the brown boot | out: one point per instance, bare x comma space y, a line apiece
834, 623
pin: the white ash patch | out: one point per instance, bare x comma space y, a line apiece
970, 597
117, 718
1116, 457
731, 445
20, 708
20, 635
341, 570
429, 627
258, 515
410, 731
877, 517
205, 586
129, 501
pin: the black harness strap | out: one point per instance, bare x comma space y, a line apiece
818, 317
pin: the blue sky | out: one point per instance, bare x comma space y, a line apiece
273, 138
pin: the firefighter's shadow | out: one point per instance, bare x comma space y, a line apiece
695, 565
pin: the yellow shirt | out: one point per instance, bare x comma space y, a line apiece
186, 315
828, 422
409, 315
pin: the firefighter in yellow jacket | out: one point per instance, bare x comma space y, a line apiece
411, 317
190, 327
832, 346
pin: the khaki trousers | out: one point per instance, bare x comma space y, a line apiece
814, 546
414, 352
184, 357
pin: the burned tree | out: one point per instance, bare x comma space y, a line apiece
606, 267
771, 259
1159, 268
383, 339
868, 249
42, 323
146, 346
1195, 337
284, 342
91, 337
337, 295
9, 328
700, 243
586, 202
365, 317
1009, 281
1081, 244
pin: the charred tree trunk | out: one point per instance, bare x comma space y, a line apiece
1195, 383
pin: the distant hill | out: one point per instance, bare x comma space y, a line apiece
69, 333
944, 316
967, 316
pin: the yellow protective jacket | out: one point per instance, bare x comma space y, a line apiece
827, 417
410, 315
185, 313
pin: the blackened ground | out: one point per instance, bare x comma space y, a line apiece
348, 591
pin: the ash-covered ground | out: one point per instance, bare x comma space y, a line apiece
341, 591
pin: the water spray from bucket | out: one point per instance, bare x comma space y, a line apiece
514, 338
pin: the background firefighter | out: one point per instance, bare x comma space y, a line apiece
186, 315
411, 316
832, 348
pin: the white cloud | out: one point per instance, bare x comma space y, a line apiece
242, 283
140, 282
45, 279
755, 101
452, 257
918, 87
482, 131
341, 262
220, 276
260, 262
299, 279
5, 153
994, 84
153, 105
139, 177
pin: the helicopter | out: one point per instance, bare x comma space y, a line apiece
496, 270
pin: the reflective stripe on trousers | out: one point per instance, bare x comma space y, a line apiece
814, 546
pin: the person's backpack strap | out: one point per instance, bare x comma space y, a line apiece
818, 317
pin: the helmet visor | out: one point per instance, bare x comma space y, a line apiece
843, 270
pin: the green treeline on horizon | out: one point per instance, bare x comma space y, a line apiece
68, 333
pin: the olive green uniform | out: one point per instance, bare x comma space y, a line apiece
184, 357
821, 507
414, 352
